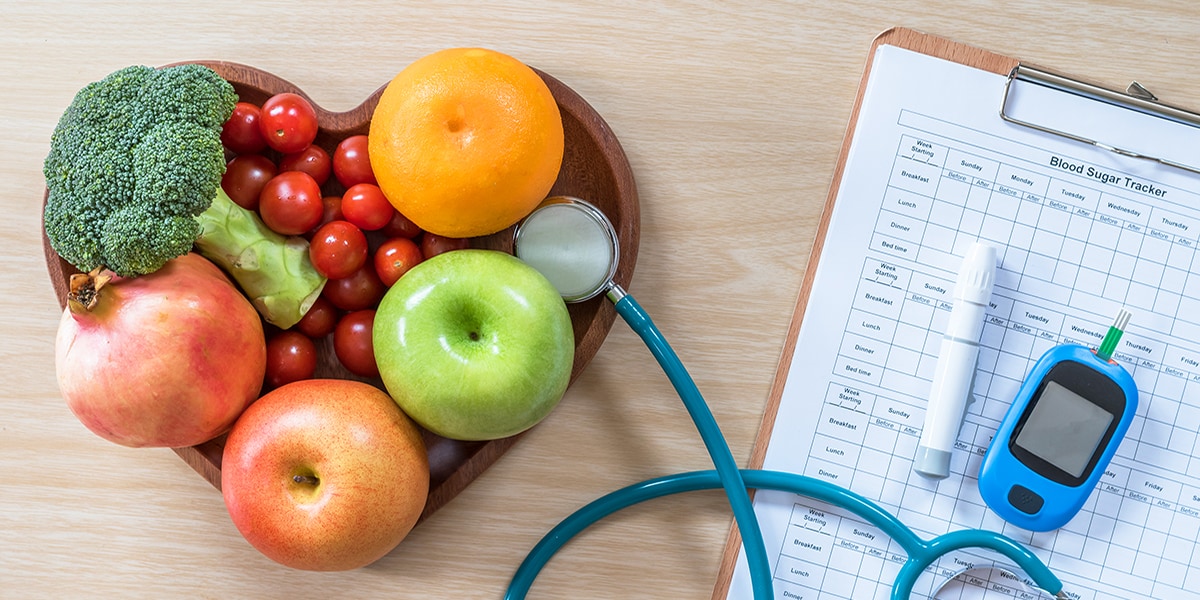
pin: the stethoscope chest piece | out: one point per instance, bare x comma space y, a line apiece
573, 244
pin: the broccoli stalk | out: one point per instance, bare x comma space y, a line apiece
134, 166
238, 241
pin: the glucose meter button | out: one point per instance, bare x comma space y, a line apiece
1025, 499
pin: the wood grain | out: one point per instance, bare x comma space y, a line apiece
594, 167
732, 115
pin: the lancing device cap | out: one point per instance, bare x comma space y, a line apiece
975, 282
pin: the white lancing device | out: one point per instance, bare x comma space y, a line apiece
954, 374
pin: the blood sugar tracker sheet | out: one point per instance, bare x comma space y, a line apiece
1080, 233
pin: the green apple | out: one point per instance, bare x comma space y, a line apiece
474, 344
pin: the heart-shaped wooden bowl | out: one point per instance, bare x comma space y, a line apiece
594, 168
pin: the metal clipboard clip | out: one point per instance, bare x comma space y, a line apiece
1136, 98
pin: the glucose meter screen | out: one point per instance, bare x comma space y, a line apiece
1064, 429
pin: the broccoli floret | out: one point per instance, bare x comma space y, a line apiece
134, 179
133, 160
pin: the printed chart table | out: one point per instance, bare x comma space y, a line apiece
1074, 248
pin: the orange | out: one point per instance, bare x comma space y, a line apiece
466, 141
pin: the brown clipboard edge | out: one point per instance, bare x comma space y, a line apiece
903, 38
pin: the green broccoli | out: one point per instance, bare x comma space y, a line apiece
135, 161
129, 167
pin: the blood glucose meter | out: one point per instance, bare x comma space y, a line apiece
1057, 437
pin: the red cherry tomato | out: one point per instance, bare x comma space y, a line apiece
351, 163
291, 203
394, 258
241, 134
361, 290
244, 178
288, 122
313, 160
353, 345
433, 244
332, 211
291, 356
320, 319
365, 205
338, 249
401, 226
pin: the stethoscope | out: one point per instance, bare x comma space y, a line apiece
574, 245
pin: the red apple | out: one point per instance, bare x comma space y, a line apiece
325, 474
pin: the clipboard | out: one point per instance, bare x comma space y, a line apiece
1135, 98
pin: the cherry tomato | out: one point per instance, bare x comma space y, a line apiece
291, 356
291, 203
313, 160
241, 134
244, 178
351, 164
288, 122
365, 205
394, 258
363, 289
353, 345
332, 211
433, 244
338, 249
401, 226
320, 319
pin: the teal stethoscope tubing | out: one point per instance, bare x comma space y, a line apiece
735, 482
921, 553
710, 433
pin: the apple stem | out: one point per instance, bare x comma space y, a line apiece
474, 335
309, 479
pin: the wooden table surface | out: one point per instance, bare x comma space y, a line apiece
731, 113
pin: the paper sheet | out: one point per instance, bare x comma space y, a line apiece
1081, 232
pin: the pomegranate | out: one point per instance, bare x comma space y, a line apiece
168, 359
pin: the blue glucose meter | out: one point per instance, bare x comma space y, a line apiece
1058, 436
